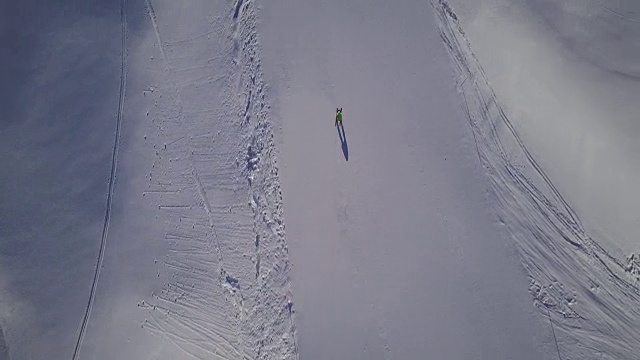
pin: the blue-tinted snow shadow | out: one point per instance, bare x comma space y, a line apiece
343, 140
4, 350
60, 65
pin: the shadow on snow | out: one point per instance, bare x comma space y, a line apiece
343, 140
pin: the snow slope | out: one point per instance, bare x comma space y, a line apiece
394, 252
588, 290
567, 72
169, 244
143, 215
203, 270
60, 71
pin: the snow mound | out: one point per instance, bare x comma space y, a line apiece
227, 269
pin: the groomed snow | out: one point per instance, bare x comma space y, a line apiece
395, 254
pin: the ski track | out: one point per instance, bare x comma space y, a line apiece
590, 296
227, 292
112, 178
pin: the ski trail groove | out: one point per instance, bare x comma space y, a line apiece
112, 178
553, 332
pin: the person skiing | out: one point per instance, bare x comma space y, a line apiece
338, 116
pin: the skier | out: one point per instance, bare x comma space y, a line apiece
339, 116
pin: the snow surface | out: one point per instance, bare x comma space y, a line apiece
394, 252
568, 73
479, 202
578, 275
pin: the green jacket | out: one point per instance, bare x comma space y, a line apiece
339, 116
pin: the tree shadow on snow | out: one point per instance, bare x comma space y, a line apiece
343, 140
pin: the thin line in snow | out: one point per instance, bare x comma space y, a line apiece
114, 162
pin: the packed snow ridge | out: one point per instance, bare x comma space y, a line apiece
227, 271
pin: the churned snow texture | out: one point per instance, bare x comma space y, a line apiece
589, 295
216, 179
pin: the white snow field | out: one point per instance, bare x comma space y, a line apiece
478, 203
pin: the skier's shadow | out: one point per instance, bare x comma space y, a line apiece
343, 140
